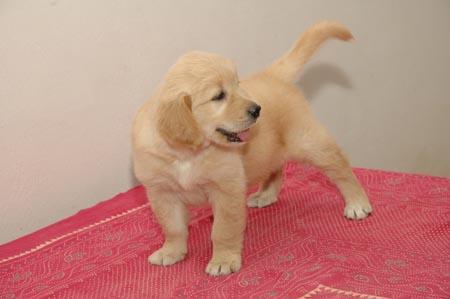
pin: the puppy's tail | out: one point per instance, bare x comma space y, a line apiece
288, 67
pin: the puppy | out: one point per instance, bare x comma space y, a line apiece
204, 136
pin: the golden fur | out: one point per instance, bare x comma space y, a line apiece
184, 149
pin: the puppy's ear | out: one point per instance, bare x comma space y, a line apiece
177, 125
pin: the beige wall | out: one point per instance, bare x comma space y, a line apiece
73, 73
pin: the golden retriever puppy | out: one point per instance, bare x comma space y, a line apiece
205, 135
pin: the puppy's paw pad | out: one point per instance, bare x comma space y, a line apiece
164, 257
357, 210
260, 200
223, 267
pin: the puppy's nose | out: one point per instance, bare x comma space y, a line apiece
254, 111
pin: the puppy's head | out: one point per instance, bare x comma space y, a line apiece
201, 100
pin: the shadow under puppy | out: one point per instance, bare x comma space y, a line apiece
204, 136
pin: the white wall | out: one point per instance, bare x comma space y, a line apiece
73, 73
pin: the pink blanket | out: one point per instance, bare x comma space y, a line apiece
302, 246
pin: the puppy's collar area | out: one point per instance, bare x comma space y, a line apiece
236, 137
204, 145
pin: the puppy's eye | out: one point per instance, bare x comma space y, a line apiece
220, 96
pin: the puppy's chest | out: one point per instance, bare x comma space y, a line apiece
188, 173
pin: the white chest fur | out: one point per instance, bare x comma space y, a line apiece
186, 173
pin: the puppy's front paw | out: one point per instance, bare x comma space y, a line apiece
261, 200
224, 264
358, 210
166, 257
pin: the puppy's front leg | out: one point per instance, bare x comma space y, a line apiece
173, 217
228, 231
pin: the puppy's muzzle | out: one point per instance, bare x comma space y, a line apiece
254, 111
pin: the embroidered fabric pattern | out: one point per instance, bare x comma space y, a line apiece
326, 292
300, 246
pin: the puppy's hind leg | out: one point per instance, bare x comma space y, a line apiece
316, 147
268, 193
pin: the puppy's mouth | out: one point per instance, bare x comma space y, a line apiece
237, 137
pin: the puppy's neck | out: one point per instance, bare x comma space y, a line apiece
184, 153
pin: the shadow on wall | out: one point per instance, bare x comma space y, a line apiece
133, 180
319, 75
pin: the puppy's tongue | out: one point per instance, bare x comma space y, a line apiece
244, 135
